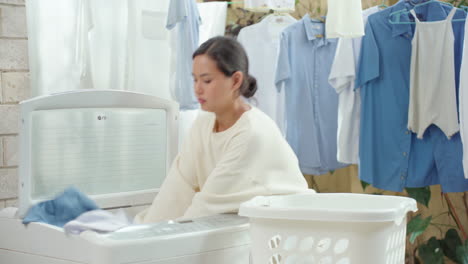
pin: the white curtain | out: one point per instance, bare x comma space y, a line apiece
105, 44
56, 48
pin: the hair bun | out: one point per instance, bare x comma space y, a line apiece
252, 87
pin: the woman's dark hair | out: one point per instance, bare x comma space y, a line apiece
230, 57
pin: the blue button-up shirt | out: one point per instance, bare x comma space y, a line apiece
391, 157
184, 14
304, 64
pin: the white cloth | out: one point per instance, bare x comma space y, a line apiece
261, 42
266, 5
108, 43
342, 77
213, 20
149, 48
97, 220
432, 90
463, 102
83, 53
344, 19
59, 58
216, 172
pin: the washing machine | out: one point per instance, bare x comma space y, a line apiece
116, 147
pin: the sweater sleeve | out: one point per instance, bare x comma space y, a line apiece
177, 190
231, 182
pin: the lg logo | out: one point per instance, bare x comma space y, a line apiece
101, 117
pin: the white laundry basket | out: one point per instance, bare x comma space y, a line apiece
328, 228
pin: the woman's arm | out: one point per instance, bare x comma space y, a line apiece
177, 190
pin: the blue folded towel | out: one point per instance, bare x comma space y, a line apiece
64, 208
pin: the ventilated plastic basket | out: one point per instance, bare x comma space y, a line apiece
328, 228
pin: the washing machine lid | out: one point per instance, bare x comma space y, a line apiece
115, 146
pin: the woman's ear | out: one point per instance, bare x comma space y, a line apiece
237, 79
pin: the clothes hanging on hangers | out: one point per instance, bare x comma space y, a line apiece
395, 17
304, 63
342, 77
463, 101
184, 18
213, 20
261, 42
432, 78
148, 47
344, 19
391, 157
267, 5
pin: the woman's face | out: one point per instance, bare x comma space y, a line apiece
215, 91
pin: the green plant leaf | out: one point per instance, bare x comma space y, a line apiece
462, 253
450, 244
364, 185
431, 252
421, 195
297, 2
417, 226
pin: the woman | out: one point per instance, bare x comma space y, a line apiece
234, 151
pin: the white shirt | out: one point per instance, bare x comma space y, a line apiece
463, 103
148, 48
213, 20
261, 42
344, 19
216, 172
342, 77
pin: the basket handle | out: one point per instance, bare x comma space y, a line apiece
405, 207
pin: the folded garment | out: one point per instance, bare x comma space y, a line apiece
97, 220
62, 209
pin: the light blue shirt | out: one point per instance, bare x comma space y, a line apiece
304, 63
391, 157
184, 14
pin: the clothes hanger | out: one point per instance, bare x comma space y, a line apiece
383, 5
281, 16
416, 3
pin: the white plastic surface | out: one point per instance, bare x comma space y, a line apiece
115, 146
328, 228
215, 239
330, 207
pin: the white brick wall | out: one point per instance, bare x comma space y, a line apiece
1, 153
10, 151
14, 87
13, 2
13, 21
13, 54
10, 116
11, 203
8, 183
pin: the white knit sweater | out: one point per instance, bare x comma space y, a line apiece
216, 172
